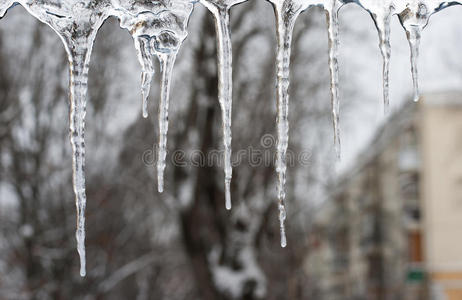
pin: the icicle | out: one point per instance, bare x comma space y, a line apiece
413, 36
286, 12
143, 50
332, 25
224, 56
413, 19
77, 25
79, 45
285, 24
78, 60
220, 12
382, 23
167, 61
381, 12
158, 29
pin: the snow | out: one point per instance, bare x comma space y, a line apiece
233, 281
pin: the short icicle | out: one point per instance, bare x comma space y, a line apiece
79, 58
224, 56
285, 24
167, 60
413, 34
332, 26
383, 27
414, 19
145, 58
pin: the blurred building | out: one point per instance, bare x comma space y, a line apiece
392, 228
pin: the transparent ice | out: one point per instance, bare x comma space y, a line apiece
160, 27
220, 11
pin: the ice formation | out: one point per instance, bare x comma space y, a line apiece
159, 28
220, 11
413, 15
286, 12
77, 24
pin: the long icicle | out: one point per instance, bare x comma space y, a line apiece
167, 60
224, 56
383, 27
79, 59
413, 34
285, 24
332, 26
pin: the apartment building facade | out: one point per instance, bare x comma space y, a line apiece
391, 227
